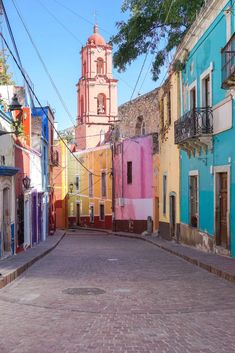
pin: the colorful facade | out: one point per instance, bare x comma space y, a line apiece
7, 187
135, 184
169, 170
205, 131
90, 188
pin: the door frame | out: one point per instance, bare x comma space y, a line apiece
217, 171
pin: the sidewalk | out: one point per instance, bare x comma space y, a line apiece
219, 265
14, 266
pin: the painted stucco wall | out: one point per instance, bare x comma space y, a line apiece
97, 160
169, 152
138, 196
206, 55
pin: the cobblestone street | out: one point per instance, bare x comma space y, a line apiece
104, 294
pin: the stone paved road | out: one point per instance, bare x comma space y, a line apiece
153, 302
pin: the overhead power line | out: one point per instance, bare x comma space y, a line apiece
43, 109
44, 66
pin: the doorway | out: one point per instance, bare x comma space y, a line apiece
172, 215
78, 215
222, 210
156, 216
6, 222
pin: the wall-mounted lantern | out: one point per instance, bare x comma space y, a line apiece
15, 105
71, 187
26, 182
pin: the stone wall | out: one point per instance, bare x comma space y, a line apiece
139, 116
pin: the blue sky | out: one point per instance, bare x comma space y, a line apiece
60, 48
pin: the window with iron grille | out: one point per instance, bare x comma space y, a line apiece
90, 184
193, 200
77, 183
129, 172
103, 184
101, 212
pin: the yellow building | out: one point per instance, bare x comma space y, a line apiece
169, 169
90, 188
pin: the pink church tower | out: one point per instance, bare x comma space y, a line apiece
97, 92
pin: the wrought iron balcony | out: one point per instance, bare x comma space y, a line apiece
228, 64
196, 123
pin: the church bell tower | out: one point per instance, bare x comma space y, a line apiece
96, 92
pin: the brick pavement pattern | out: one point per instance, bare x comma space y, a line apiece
154, 302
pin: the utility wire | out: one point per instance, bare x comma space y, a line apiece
43, 109
59, 22
78, 15
44, 66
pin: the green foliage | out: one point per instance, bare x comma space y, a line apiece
155, 26
5, 77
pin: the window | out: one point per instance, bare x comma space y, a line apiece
77, 183
164, 193
101, 104
91, 214
100, 66
129, 172
169, 107
102, 136
206, 92
193, 200
143, 128
103, 184
101, 212
193, 98
2, 160
90, 184
138, 125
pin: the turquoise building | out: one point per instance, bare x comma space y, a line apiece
205, 132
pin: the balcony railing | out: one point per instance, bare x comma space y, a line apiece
228, 64
54, 158
195, 123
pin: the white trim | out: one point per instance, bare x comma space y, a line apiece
207, 72
190, 88
228, 19
217, 170
193, 173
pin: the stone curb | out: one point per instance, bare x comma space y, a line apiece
205, 266
4, 280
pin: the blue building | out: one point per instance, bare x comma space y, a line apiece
205, 131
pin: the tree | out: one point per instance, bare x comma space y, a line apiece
154, 26
5, 77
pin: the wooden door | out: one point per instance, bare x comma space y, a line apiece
78, 214
156, 207
172, 215
223, 209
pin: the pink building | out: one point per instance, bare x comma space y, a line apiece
134, 188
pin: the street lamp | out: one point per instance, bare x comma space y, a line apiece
15, 105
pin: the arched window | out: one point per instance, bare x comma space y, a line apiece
138, 125
102, 136
100, 66
143, 128
101, 104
